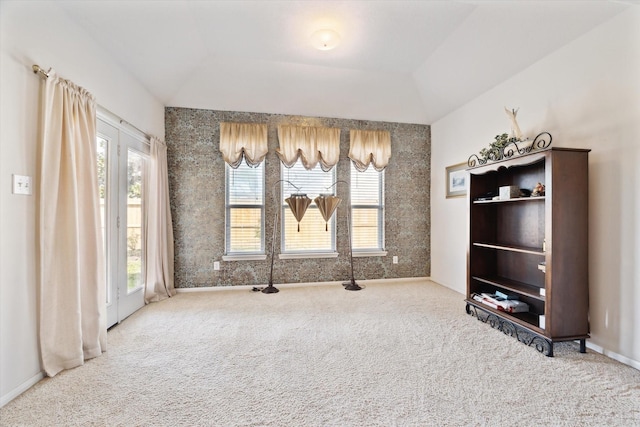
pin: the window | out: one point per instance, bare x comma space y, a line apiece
312, 238
244, 203
367, 203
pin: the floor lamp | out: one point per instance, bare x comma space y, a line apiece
298, 203
327, 204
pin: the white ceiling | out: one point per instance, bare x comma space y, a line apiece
399, 61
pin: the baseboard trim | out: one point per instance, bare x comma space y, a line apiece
613, 355
446, 286
21, 389
299, 285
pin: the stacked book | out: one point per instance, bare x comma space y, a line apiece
502, 302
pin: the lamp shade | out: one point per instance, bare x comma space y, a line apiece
327, 204
298, 204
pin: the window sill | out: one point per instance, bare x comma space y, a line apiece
262, 257
248, 257
303, 255
362, 254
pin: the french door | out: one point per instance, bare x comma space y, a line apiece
121, 170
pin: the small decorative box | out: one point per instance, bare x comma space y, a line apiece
509, 192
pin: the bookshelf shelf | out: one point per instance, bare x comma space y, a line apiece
518, 288
516, 200
512, 248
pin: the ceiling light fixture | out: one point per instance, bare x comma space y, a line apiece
325, 39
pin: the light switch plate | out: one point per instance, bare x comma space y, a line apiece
22, 184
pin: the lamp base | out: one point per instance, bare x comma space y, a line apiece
351, 286
270, 290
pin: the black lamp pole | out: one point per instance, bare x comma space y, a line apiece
270, 289
351, 285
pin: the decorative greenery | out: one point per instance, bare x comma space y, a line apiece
134, 271
495, 150
133, 240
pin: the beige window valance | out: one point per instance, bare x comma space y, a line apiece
243, 140
370, 147
312, 144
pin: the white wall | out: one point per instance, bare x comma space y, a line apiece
587, 95
40, 33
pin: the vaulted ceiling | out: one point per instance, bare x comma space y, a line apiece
398, 61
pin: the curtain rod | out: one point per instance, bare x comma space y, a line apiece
37, 70
114, 118
45, 74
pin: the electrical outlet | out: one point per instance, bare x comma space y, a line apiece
395, 259
22, 184
216, 265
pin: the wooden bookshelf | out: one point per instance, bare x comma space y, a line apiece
532, 248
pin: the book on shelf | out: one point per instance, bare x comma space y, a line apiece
487, 302
501, 304
506, 296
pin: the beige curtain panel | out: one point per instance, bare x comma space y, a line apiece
159, 233
72, 309
370, 147
311, 144
243, 140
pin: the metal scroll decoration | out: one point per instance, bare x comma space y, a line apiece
541, 344
513, 147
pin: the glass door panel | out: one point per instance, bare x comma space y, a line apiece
135, 172
133, 158
103, 165
107, 162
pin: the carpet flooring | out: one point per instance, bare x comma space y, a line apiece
394, 354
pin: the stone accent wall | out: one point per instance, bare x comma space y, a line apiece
197, 188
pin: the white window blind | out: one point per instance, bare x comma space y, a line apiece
312, 236
367, 203
244, 209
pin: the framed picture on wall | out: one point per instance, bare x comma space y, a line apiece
457, 178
